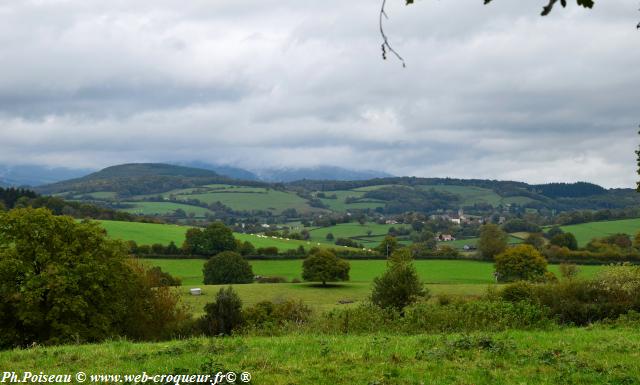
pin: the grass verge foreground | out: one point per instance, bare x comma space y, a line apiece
595, 355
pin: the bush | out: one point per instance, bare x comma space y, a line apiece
267, 314
521, 262
569, 270
227, 267
224, 315
323, 266
581, 302
400, 285
271, 250
261, 279
348, 242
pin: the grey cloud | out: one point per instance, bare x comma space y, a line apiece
490, 91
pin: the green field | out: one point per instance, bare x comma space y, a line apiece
150, 233
339, 203
351, 230
460, 243
541, 357
145, 233
442, 277
430, 271
164, 208
250, 199
585, 232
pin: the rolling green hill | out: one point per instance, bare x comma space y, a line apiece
585, 232
150, 233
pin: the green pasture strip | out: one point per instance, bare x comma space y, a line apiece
585, 232
580, 356
430, 271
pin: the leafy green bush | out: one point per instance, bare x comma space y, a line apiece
580, 302
227, 267
224, 315
267, 314
521, 262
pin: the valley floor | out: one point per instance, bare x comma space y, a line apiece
595, 355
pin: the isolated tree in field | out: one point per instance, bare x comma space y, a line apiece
329, 237
212, 240
224, 314
324, 266
492, 242
64, 281
521, 262
400, 285
567, 240
388, 245
227, 267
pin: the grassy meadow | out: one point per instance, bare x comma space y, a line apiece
465, 278
585, 232
549, 357
150, 233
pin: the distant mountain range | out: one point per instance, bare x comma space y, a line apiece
40, 175
37, 175
133, 186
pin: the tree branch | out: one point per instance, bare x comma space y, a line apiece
386, 47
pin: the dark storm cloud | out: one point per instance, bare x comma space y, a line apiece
489, 92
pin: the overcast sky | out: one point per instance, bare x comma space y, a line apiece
489, 91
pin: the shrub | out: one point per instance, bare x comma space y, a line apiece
569, 270
348, 242
521, 262
580, 302
267, 314
224, 315
400, 285
271, 250
227, 267
323, 266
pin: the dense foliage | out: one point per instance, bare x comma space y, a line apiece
62, 281
224, 314
212, 240
493, 241
521, 262
227, 267
400, 285
324, 266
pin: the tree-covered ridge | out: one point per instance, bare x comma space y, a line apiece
141, 178
569, 190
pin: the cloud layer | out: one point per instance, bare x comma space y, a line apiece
489, 91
